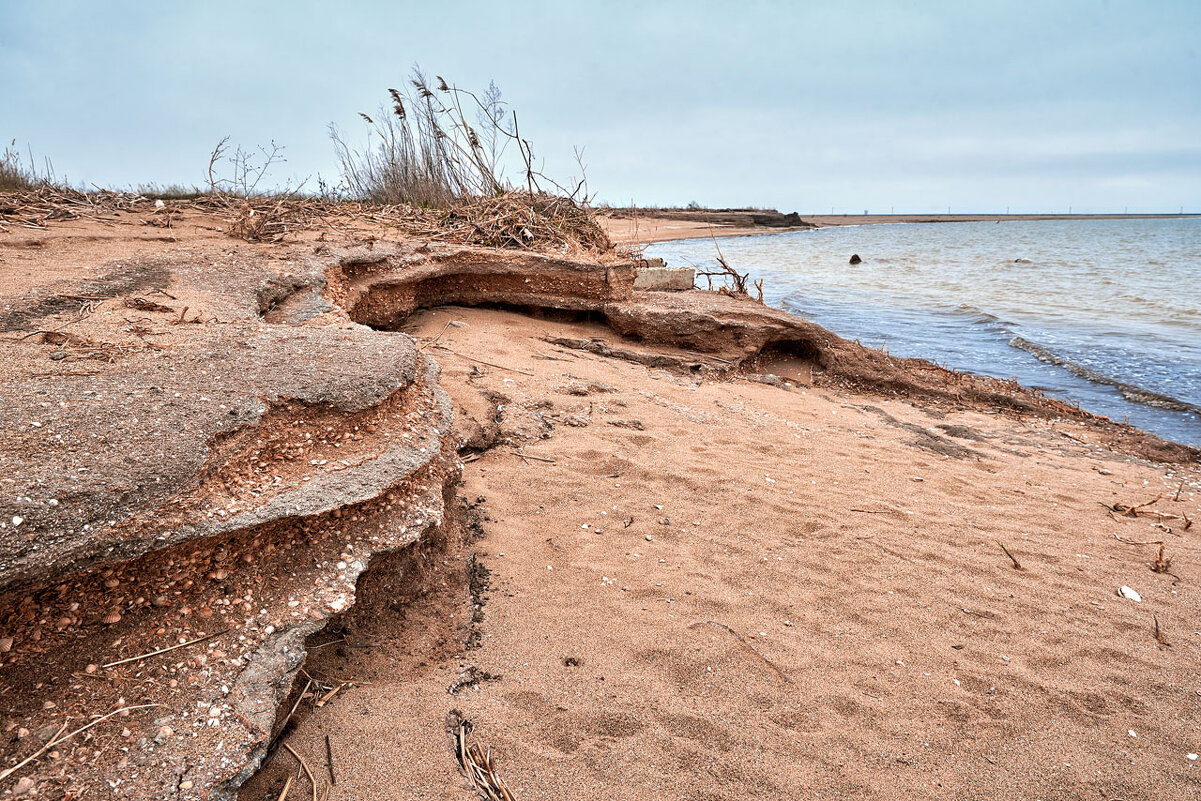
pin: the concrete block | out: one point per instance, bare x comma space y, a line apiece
655, 275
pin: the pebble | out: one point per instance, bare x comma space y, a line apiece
23, 786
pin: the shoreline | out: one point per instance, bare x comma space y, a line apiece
670, 225
1107, 390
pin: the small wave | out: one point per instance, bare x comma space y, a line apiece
1131, 392
979, 315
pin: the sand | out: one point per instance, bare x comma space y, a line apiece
661, 586
730, 590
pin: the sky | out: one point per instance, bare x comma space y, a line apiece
802, 106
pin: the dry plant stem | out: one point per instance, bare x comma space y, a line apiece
531, 456
163, 650
750, 649
1137, 542
56, 739
739, 280
1141, 510
283, 794
477, 765
329, 762
9, 771
481, 361
304, 765
1160, 637
275, 741
425, 345
325, 698
1161, 564
1016, 564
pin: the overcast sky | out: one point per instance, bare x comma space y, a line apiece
805, 106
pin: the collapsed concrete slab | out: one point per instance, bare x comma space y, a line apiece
188, 493
381, 289
655, 276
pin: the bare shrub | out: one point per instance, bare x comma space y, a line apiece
732, 282
235, 190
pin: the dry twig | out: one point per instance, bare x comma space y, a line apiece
56, 739
304, 765
1160, 637
477, 764
1162, 564
1016, 564
164, 650
1142, 510
329, 761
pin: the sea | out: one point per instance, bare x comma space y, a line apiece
1104, 314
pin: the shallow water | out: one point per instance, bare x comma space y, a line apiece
1103, 313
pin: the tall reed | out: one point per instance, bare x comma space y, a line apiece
434, 147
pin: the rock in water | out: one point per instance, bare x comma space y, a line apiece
855, 259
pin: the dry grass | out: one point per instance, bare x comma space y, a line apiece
18, 176
513, 220
425, 151
520, 220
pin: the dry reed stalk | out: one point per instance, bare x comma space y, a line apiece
477, 764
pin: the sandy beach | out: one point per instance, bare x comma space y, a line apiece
723, 589
678, 563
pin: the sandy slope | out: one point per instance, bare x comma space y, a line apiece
731, 590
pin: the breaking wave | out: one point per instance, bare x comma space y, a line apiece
1131, 392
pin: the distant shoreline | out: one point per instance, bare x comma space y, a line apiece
644, 226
